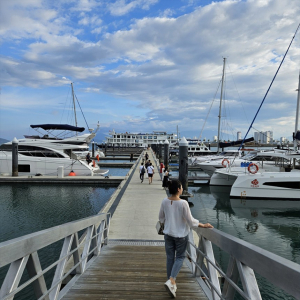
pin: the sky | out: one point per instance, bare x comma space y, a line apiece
149, 65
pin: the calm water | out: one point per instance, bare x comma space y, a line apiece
117, 171
262, 223
28, 208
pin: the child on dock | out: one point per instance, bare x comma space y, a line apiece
177, 218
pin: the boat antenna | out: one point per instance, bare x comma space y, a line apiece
269, 87
220, 108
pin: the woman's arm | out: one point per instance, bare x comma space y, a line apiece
161, 215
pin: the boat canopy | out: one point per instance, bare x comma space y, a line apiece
58, 127
229, 144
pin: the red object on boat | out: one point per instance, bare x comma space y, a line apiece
72, 173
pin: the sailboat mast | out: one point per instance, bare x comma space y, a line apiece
220, 108
297, 115
74, 104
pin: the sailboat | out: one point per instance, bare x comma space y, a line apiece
283, 185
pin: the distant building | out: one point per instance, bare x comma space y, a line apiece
139, 139
265, 137
282, 140
239, 136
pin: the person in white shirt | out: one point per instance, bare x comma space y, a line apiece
150, 171
177, 218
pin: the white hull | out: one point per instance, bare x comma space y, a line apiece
227, 176
43, 165
224, 178
267, 185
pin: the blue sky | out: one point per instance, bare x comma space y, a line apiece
145, 65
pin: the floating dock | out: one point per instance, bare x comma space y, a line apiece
132, 266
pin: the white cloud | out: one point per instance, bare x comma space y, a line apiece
122, 7
168, 67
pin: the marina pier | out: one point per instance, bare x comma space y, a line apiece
121, 256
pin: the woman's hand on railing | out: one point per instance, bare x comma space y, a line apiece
206, 225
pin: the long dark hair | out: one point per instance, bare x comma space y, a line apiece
174, 185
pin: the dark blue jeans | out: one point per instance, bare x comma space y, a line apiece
175, 250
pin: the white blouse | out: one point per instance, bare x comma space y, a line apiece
177, 217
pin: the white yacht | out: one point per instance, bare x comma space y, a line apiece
43, 155
213, 162
58, 136
270, 161
282, 185
196, 149
42, 160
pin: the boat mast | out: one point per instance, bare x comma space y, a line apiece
74, 105
297, 115
220, 108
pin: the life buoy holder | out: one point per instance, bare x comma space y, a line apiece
251, 169
225, 162
94, 164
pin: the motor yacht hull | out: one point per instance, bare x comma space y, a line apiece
31, 166
267, 185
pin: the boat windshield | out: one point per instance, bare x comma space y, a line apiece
250, 156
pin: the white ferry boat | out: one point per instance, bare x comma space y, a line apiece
127, 139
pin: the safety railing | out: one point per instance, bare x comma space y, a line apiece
22, 253
244, 260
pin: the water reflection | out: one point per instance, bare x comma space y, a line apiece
271, 225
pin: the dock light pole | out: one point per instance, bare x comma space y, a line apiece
105, 148
183, 168
93, 149
15, 146
166, 153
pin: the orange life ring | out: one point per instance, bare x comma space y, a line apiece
94, 164
223, 162
250, 170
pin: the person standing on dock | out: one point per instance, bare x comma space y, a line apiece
146, 156
142, 172
165, 183
131, 157
150, 171
177, 218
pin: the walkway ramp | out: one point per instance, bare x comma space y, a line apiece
137, 212
132, 272
133, 264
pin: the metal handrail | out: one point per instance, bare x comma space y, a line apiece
245, 259
220, 271
17, 253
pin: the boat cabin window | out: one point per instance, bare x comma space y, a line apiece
23, 168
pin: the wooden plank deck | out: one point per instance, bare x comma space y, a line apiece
132, 272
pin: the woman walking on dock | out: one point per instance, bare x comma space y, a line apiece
150, 171
177, 218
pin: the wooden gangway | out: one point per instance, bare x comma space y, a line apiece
132, 272
117, 254
133, 265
